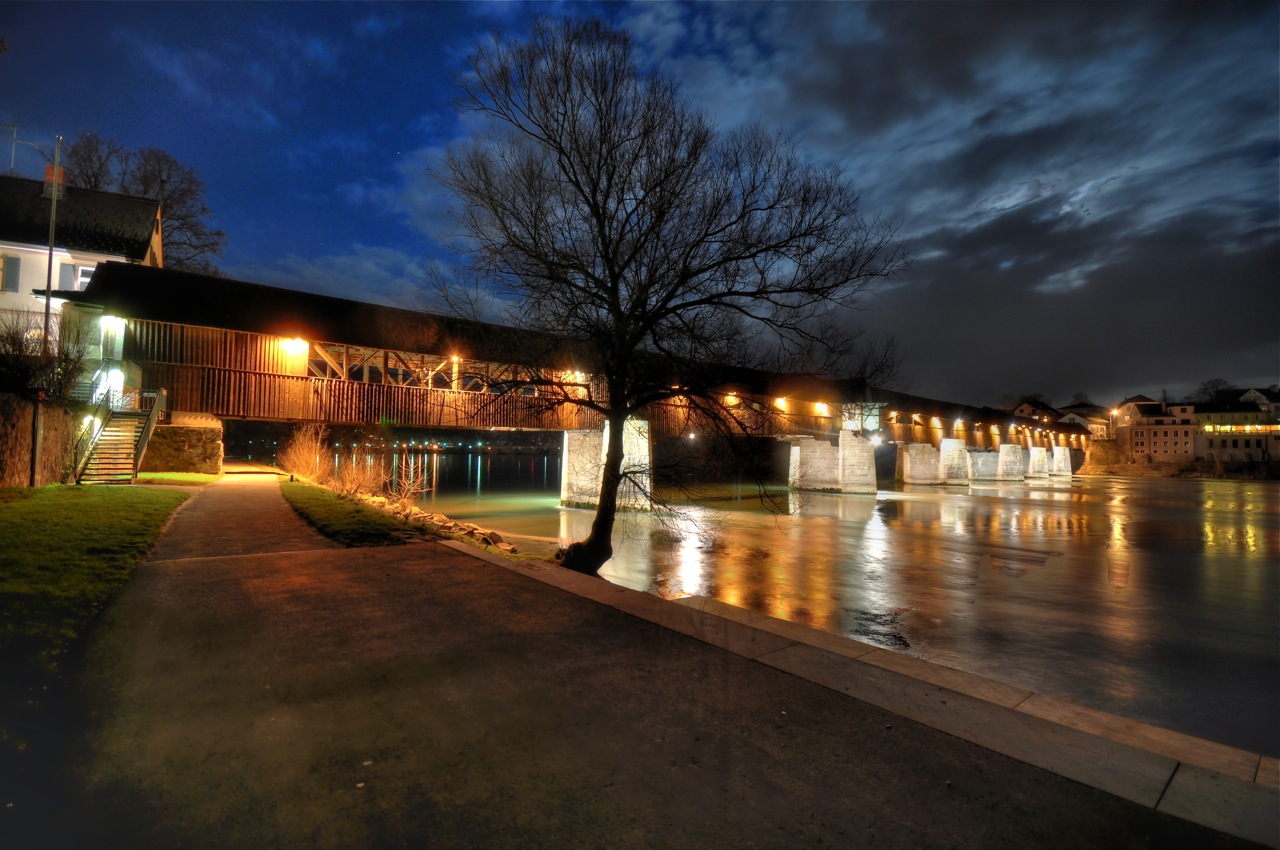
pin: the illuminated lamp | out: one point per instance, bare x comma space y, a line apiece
732, 400
820, 408
112, 324
294, 347
876, 440
780, 403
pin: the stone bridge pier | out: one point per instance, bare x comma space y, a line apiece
582, 462
847, 466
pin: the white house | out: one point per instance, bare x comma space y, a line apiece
92, 227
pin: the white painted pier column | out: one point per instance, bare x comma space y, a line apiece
857, 463
953, 462
1012, 463
984, 465
1039, 463
847, 467
582, 464
920, 464
1061, 464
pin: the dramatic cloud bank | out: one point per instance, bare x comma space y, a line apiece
1089, 192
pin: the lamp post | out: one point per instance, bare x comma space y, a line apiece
1114, 413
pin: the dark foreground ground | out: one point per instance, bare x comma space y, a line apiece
418, 697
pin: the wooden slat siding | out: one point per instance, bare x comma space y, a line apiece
250, 395
163, 342
241, 375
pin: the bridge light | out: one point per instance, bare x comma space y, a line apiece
294, 347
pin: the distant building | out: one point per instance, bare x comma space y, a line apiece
1035, 411
1268, 398
1091, 416
1226, 432
92, 227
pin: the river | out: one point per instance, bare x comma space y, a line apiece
1155, 599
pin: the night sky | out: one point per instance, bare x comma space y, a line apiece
1089, 191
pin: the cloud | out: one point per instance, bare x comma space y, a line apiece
371, 273
206, 81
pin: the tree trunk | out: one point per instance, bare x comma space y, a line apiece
588, 556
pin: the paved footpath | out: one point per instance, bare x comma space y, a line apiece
256, 687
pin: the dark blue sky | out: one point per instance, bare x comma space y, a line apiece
1089, 190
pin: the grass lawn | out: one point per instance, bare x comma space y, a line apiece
198, 479
65, 551
342, 520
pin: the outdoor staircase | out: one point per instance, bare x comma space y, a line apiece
113, 456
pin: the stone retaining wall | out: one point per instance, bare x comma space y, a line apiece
179, 448
59, 428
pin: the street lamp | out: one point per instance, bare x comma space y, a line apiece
1114, 413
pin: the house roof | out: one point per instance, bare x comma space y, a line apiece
1229, 407
1271, 394
88, 220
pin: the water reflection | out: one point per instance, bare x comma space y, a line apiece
1154, 599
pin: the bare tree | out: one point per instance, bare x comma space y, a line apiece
612, 213
1208, 390
93, 162
190, 244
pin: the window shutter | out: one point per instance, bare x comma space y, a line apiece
12, 265
66, 276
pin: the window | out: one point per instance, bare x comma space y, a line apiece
86, 272
9, 273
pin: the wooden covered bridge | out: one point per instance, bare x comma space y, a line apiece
239, 350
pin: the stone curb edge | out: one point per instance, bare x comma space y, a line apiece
1210, 784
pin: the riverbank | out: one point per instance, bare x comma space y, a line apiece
1256, 471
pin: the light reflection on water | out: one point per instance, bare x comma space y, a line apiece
1155, 599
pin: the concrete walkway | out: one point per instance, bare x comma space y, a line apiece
256, 687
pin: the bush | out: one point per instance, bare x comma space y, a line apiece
304, 454
27, 370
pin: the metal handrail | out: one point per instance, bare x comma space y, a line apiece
157, 410
89, 434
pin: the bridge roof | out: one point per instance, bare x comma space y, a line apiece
88, 220
167, 295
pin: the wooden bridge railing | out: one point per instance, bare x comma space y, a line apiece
242, 394
253, 395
